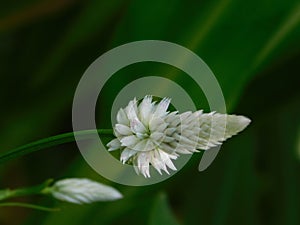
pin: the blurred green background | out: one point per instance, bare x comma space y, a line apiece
253, 47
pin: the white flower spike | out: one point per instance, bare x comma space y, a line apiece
79, 191
147, 134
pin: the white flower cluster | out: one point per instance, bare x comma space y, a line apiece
82, 190
147, 134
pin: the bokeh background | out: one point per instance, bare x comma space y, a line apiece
253, 47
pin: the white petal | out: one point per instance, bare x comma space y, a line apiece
144, 145
157, 124
137, 126
182, 150
170, 131
123, 130
156, 161
173, 119
146, 109
184, 140
135, 166
172, 116
235, 124
167, 139
157, 136
161, 108
165, 157
185, 115
114, 145
129, 141
131, 110
127, 154
167, 148
154, 123
143, 160
122, 118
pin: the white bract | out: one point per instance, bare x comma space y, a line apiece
147, 134
79, 191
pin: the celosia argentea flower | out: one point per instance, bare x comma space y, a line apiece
82, 190
147, 134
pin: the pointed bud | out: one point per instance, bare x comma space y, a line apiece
81, 191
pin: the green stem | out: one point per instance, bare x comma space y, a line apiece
50, 142
25, 205
38, 189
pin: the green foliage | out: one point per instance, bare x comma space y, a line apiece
161, 212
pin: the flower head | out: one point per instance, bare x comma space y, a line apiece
147, 134
76, 190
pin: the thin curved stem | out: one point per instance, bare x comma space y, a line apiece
31, 206
50, 142
33, 190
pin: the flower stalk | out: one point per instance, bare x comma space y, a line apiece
33, 190
50, 142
